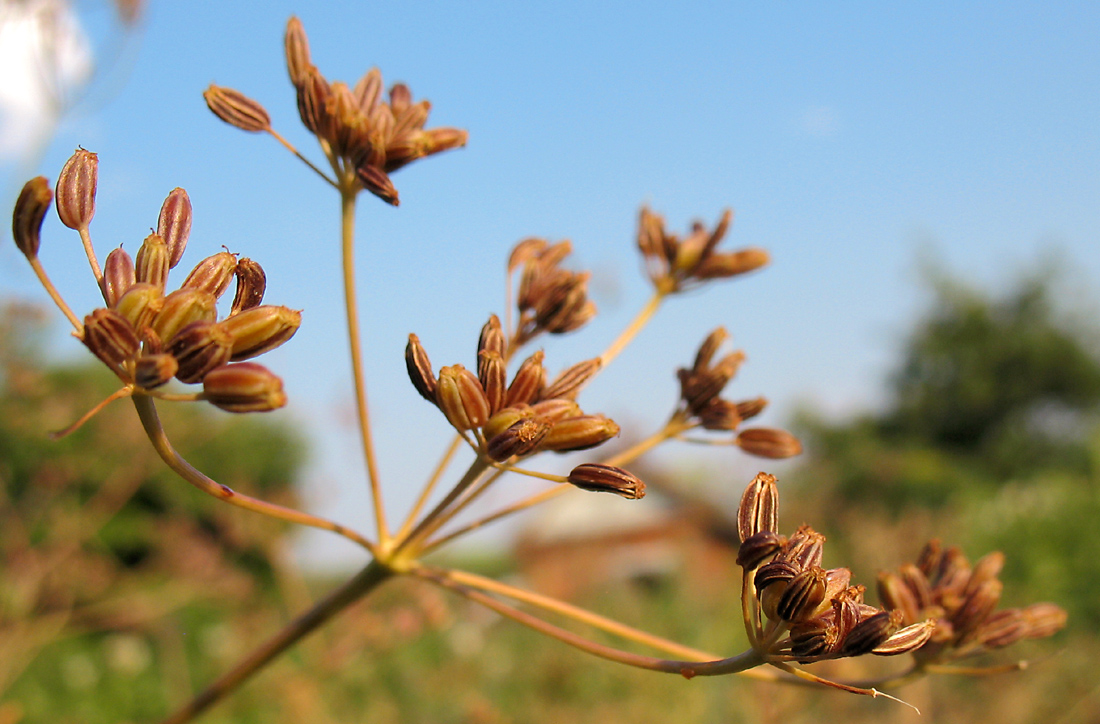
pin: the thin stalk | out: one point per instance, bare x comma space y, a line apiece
147, 411
428, 522
288, 146
503, 513
119, 393
627, 335
871, 692
44, 280
595, 620
429, 487
458, 506
749, 610
363, 583
347, 239
687, 669
86, 239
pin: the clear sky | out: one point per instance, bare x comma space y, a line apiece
850, 138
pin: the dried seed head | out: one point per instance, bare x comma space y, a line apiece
153, 262
493, 375
243, 387
506, 418
297, 50
461, 398
1044, 619
368, 91
906, 640
251, 284
895, 594
118, 276
378, 183
759, 508
980, 602
758, 549
174, 224
871, 633
420, 369
30, 209
607, 479
213, 274
804, 549
76, 189
527, 385
524, 251
519, 438
723, 266
237, 109
812, 639
491, 338
110, 337
751, 408
153, 370
768, 442
709, 348
182, 307
803, 595
198, 348
580, 433
569, 383
140, 304
556, 410
719, 414
260, 329
313, 92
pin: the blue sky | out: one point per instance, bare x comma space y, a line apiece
851, 139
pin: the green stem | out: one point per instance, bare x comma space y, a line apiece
363, 583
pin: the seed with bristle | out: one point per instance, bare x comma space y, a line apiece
198, 348
297, 50
420, 369
907, 639
213, 274
722, 266
153, 262
803, 595
182, 307
758, 548
153, 370
140, 304
759, 508
527, 385
493, 375
30, 210
76, 186
569, 383
110, 337
251, 284
520, 438
461, 398
580, 433
118, 276
260, 329
871, 633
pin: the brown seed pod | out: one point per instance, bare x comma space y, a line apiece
599, 478
30, 209
236, 109
76, 187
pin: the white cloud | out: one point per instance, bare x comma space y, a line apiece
44, 57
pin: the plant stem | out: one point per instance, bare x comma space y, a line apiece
627, 335
288, 146
579, 614
431, 521
363, 583
429, 486
55, 295
147, 411
347, 238
86, 239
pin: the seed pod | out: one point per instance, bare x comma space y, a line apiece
708, 349
182, 307
378, 183
491, 338
894, 594
759, 508
871, 633
580, 433
722, 266
260, 329
758, 548
528, 382
76, 186
556, 410
212, 274
804, 549
297, 50
236, 109
524, 251
906, 640
460, 397
768, 442
837, 581
506, 418
368, 90
313, 91
519, 438
980, 601
140, 304
153, 262
243, 387
251, 284
751, 408
917, 583
569, 383
174, 224
771, 582
420, 369
153, 370
607, 479
811, 639
110, 337
118, 276
493, 375
1044, 619
30, 209
198, 348
803, 595
719, 414
436, 140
